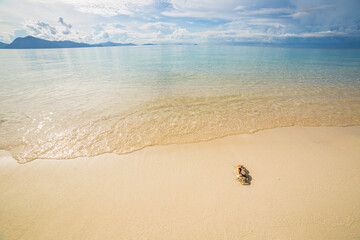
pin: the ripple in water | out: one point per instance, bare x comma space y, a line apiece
68, 103
182, 120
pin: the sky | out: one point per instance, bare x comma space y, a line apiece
185, 21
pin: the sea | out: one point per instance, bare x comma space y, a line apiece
81, 102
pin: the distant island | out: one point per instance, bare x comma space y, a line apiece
30, 42
3, 45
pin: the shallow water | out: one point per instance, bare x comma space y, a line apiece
67, 103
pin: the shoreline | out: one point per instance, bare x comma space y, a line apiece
303, 187
5, 151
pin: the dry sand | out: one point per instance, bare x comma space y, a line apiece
305, 185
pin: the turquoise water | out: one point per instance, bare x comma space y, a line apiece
67, 103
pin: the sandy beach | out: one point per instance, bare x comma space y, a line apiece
305, 185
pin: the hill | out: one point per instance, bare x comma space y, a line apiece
30, 42
3, 45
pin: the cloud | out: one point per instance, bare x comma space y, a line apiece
67, 27
266, 11
105, 35
118, 26
61, 20
142, 21
266, 22
110, 8
201, 9
66, 32
46, 27
60, 31
158, 25
179, 34
299, 13
240, 7
200, 5
33, 30
39, 28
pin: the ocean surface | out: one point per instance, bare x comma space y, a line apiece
68, 103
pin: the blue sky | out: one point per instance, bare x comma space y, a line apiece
171, 21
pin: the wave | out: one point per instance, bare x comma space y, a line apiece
171, 120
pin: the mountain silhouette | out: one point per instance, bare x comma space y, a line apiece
3, 45
30, 42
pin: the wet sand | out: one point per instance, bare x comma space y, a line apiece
305, 185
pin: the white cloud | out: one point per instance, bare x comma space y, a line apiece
180, 34
299, 13
266, 11
109, 8
202, 9
201, 5
39, 28
277, 23
142, 21
62, 31
158, 25
240, 7
314, 34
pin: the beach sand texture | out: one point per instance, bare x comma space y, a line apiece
305, 185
